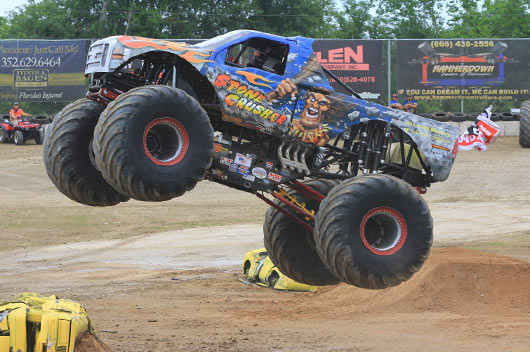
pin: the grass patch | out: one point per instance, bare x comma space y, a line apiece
517, 245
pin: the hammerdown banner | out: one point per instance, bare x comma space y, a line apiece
463, 69
39, 70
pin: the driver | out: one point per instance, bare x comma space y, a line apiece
260, 57
264, 60
16, 113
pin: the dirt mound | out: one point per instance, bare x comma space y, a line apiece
91, 343
452, 280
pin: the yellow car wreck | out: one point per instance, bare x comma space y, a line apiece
258, 268
31, 322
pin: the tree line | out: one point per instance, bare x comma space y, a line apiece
358, 19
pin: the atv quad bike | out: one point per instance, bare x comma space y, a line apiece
24, 130
256, 112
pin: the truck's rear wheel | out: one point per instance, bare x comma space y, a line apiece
291, 247
524, 125
67, 156
154, 143
373, 231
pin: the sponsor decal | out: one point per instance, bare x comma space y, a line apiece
249, 178
259, 172
243, 159
242, 170
269, 165
275, 177
233, 168
226, 161
218, 148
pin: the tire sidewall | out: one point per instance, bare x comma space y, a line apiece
165, 107
418, 226
299, 246
66, 155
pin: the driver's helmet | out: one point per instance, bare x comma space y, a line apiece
261, 55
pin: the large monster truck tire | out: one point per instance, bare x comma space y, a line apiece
68, 154
154, 143
291, 247
524, 125
373, 231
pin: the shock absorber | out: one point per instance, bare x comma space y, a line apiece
381, 137
362, 140
384, 149
369, 148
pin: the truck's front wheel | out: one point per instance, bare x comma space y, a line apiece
67, 156
153, 143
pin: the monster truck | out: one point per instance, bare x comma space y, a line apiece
256, 112
24, 130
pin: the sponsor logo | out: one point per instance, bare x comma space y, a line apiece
462, 69
249, 178
233, 168
275, 177
259, 172
344, 59
269, 165
218, 148
226, 161
242, 170
30, 78
243, 159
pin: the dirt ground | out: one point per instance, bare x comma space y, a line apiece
165, 276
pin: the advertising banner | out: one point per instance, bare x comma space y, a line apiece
40, 70
357, 63
468, 69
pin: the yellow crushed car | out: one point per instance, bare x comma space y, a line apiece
31, 322
258, 268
